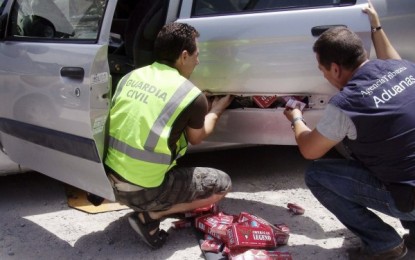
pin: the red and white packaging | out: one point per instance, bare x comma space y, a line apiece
296, 209
211, 225
213, 245
283, 227
226, 250
264, 101
252, 220
213, 208
240, 235
209, 237
293, 103
180, 224
281, 237
259, 254
226, 219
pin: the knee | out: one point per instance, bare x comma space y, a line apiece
325, 172
311, 174
224, 183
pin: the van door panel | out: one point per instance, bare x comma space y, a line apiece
272, 47
54, 106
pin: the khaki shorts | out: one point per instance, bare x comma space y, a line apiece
181, 185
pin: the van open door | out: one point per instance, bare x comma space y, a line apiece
55, 85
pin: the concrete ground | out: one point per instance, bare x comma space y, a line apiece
37, 223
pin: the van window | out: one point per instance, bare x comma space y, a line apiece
56, 19
220, 7
2, 5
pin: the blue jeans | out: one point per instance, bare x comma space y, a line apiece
347, 189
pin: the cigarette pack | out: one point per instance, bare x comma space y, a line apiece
182, 223
211, 246
296, 209
211, 225
213, 208
259, 254
293, 103
264, 101
283, 227
252, 220
245, 236
281, 237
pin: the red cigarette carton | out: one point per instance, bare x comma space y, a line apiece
209, 237
259, 254
281, 237
211, 246
296, 209
253, 220
226, 250
211, 225
226, 219
240, 235
264, 101
213, 208
283, 227
180, 224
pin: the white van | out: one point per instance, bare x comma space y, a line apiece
61, 59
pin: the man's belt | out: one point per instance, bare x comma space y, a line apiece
123, 186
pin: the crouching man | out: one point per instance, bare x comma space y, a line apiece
155, 112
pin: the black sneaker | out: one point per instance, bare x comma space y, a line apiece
395, 253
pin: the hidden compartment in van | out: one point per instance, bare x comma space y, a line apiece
267, 102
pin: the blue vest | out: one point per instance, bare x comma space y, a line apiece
380, 100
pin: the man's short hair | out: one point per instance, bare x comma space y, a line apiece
172, 40
341, 46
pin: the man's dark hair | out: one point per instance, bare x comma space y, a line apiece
341, 46
172, 40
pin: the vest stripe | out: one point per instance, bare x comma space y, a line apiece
144, 157
166, 114
138, 154
120, 86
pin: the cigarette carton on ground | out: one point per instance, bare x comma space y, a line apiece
240, 235
259, 254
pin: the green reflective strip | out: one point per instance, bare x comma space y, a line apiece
166, 114
138, 154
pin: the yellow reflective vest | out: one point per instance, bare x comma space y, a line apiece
144, 107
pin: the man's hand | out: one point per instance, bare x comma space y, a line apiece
383, 47
220, 103
290, 113
216, 107
373, 15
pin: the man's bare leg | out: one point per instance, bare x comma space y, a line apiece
182, 207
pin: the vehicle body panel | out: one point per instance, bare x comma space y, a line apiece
56, 91
267, 53
54, 106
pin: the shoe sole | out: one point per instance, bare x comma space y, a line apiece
353, 254
136, 228
404, 254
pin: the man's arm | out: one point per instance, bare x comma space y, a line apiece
311, 143
384, 49
219, 104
